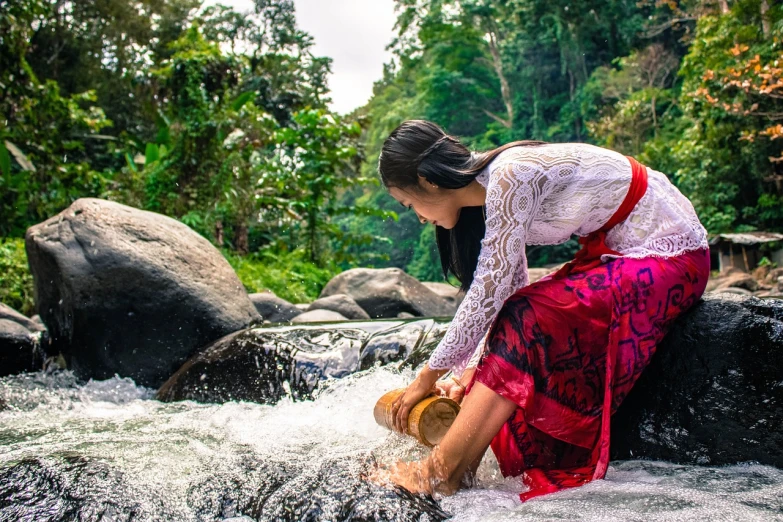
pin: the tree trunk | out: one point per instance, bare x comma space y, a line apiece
505, 90
536, 128
241, 243
312, 237
219, 233
655, 118
724, 6
572, 95
765, 28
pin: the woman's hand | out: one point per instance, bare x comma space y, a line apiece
412, 476
418, 477
421, 387
403, 404
454, 388
450, 388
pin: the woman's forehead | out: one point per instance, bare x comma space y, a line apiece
397, 193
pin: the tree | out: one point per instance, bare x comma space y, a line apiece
730, 95
314, 159
44, 135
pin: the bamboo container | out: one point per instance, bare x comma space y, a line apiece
428, 421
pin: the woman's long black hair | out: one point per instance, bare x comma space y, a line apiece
421, 148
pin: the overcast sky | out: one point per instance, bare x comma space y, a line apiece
353, 33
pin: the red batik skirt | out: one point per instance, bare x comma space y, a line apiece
567, 352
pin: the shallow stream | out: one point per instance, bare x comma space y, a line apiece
108, 451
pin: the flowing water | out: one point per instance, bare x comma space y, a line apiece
108, 451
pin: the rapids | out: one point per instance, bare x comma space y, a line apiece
106, 450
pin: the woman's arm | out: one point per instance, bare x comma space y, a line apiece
514, 194
512, 200
482, 415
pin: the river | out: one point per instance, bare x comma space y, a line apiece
108, 451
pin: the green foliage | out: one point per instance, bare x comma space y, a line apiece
220, 118
290, 275
312, 160
628, 75
425, 265
16, 281
765, 261
722, 173
45, 137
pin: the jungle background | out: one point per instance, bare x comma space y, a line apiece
220, 119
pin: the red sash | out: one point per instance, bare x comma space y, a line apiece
594, 243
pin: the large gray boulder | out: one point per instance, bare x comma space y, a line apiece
272, 308
340, 303
128, 292
386, 292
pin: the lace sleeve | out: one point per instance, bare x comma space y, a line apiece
514, 193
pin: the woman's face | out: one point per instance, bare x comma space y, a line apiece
431, 203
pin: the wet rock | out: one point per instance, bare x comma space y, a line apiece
9, 314
230, 496
38, 324
713, 393
71, 488
265, 364
272, 308
739, 280
405, 315
312, 489
399, 342
129, 292
68, 488
318, 316
534, 274
387, 292
451, 294
340, 303
336, 489
19, 348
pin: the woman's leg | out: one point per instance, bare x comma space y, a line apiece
482, 415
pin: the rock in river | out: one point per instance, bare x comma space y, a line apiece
264, 364
713, 392
20, 343
129, 292
387, 292
340, 303
272, 308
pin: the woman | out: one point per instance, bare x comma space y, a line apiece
547, 363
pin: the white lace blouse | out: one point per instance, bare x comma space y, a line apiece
541, 195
